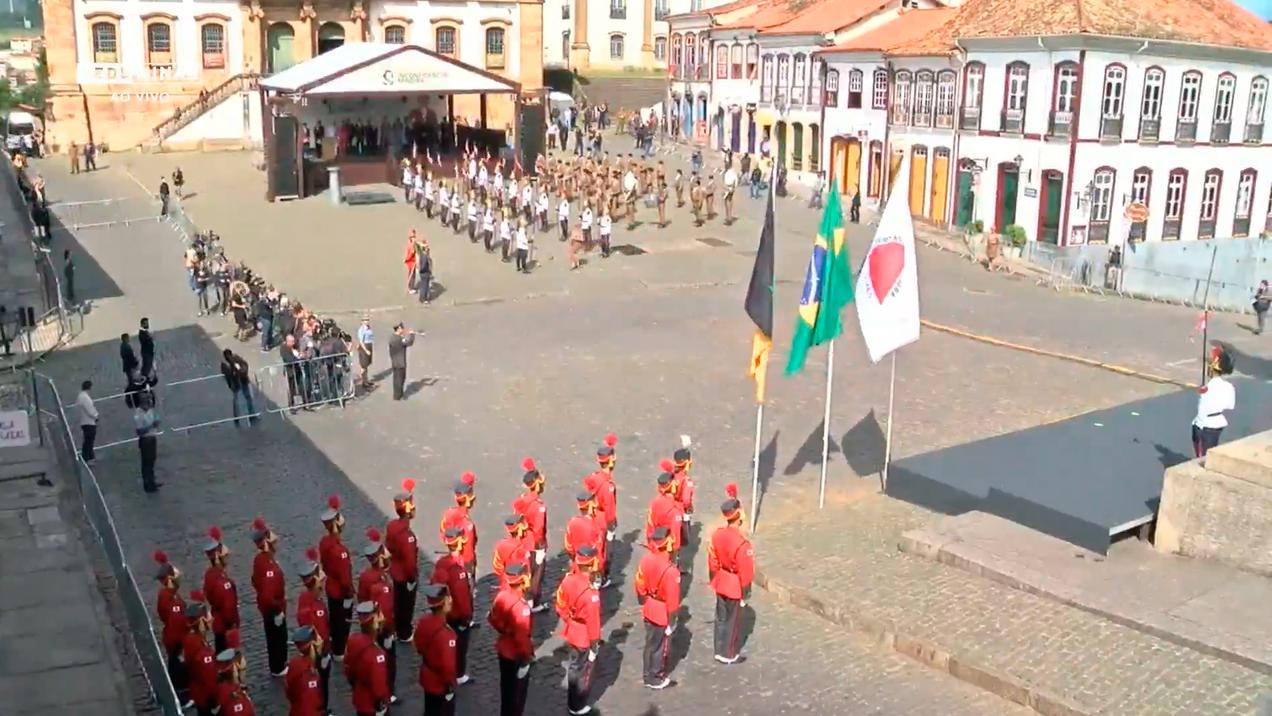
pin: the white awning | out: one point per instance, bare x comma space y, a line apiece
371, 68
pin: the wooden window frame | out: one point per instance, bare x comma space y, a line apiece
1098, 227
832, 89
111, 20
495, 60
1241, 224
1208, 226
622, 44
453, 25
855, 96
721, 61
880, 89
736, 55
1177, 219
213, 60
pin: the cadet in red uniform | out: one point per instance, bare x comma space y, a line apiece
231, 697
682, 460
516, 548
305, 693
665, 510
200, 659
530, 506
579, 606
271, 596
458, 516
451, 573
404, 559
312, 612
510, 617
658, 590
731, 563
171, 610
602, 484
374, 585
586, 528
338, 567
366, 664
221, 591
436, 643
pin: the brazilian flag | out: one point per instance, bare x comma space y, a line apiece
827, 286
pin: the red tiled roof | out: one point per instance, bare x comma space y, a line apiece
765, 16
716, 10
827, 16
1207, 22
904, 28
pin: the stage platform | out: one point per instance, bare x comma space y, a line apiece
1085, 480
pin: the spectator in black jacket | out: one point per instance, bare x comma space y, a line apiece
239, 380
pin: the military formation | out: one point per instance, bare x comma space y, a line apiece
382, 600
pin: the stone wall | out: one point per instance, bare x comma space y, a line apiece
1221, 510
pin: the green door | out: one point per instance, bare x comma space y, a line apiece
1052, 191
1011, 180
781, 143
280, 39
966, 199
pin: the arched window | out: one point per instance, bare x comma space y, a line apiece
212, 44
815, 81
752, 61
1017, 92
735, 62
722, 61
330, 36
1210, 188
704, 48
445, 42
691, 55
565, 45
945, 99
901, 98
1176, 191
395, 34
924, 95
1189, 103
1101, 205
105, 47
616, 46
766, 79
677, 54
1255, 107
797, 156
1141, 193
1111, 102
879, 99
854, 88
158, 44
783, 78
1225, 94
973, 95
1151, 104
832, 89
1245, 203
495, 51
1065, 92
660, 49
799, 80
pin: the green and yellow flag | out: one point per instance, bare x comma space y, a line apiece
827, 286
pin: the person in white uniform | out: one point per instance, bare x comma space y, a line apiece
563, 216
1215, 398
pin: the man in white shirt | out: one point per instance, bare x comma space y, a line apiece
488, 228
523, 247
585, 223
563, 217
443, 203
606, 225
428, 195
505, 236
87, 420
730, 185
1216, 397
541, 208
472, 217
418, 186
630, 186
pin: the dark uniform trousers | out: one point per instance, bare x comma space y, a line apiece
209, 710
324, 679
388, 641
149, 447
656, 652
463, 631
403, 609
438, 705
578, 679
512, 691
339, 618
728, 626
178, 674
565, 229
276, 640
399, 381
536, 578
218, 641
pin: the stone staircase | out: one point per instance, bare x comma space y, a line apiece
184, 115
623, 92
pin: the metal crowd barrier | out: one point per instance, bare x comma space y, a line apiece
323, 380
141, 630
72, 215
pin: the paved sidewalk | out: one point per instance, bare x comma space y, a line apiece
1204, 605
843, 564
55, 650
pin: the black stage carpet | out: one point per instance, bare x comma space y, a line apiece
363, 198
1083, 479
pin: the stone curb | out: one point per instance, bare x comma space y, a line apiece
922, 544
928, 653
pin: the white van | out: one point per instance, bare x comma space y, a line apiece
17, 126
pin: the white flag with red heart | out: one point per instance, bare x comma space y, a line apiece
888, 285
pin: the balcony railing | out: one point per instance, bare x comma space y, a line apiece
1014, 120
1170, 228
945, 121
1150, 130
1221, 132
618, 13
661, 13
899, 115
1241, 227
1186, 130
1098, 233
969, 118
1254, 133
766, 94
923, 117
1206, 228
1061, 124
1111, 128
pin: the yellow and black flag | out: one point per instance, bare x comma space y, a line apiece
759, 303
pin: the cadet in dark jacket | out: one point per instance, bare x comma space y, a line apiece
401, 339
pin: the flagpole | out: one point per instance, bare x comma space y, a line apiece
830, 377
755, 464
887, 438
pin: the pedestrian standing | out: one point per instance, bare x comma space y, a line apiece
1215, 398
171, 611
146, 424
401, 339
90, 157
1262, 300
74, 153
202, 280
488, 227
68, 276
311, 613
239, 380
271, 596
451, 573
404, 559
366, 350
304, 686
436, 643
531, 507
731, 564
265, 321
87, 421
730, 186
511, 618
658, 591
146, 343
605, 227
854, 212
232, 697
164, 197
523, 246
408, 260
199, 658
367, 666
816, 201
505, 237
424, 273
338, 568
221, 591
563, 215
375, 586
178, 181
578, 605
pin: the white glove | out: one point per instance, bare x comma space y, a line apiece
388, 642
742, 603
181, 656
382, 712
609, 535
326, 661
521, 673
669, 630
684, 517
539, 556
279, 618
410, 586
450, 696
348, 604
591, 655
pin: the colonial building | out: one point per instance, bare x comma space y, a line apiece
688, 72
612, 34
1099, 124
125, 72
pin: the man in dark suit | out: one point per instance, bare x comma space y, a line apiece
401, 339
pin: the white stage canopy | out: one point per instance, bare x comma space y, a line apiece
370, 68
